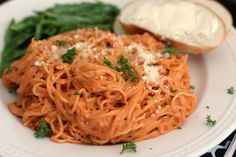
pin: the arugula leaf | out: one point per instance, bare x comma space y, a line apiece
43, 130
9, 32
231, 90
130, 146
210, 121
171, 51
69, 56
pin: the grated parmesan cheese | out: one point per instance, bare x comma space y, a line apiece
104, 52
166, 55
147, 57
81, 46
39, 63
54, 47
152, 74
76, 36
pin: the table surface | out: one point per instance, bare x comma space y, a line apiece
220, 149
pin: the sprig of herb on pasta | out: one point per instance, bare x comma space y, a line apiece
13, 89
123, 61
125, 68
69, 56
43, 130
61, 43
171, 50
76, 93
130, 146
110, 65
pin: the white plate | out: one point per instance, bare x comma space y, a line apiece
212, 74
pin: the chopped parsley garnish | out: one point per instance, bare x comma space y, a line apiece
192, 87
125, 68
61, 42
231, 90
43, 130
130, 146
13, 89
76, 93
123, 61
69, 56
110, 65
210, 121
171, 50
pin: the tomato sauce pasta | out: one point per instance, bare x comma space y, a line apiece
97, 99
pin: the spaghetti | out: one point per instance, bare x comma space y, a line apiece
107, 108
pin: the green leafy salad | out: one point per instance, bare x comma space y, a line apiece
55, 20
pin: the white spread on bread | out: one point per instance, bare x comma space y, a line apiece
178, 20
220, 10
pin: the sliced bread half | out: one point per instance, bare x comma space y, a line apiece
187, 25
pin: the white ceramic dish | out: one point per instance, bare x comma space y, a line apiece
211, 74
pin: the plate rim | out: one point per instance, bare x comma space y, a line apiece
10, 150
